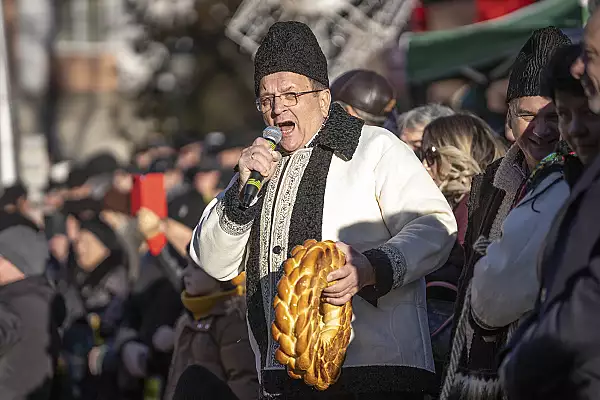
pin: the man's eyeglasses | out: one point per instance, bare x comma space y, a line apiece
264, 104
430, 155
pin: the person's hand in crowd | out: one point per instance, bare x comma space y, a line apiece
349, 279
149, 224
59, 247
95, 358
134, 356
258, 157
123, 182
72, 227
164, 339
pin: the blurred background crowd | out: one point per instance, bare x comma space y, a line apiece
96, 93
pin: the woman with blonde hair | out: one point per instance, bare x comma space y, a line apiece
455, 149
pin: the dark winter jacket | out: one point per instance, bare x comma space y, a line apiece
472, 368
30, 315
556, 353
154, 302
102, 291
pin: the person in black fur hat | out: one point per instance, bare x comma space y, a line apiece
328, 176
532, 120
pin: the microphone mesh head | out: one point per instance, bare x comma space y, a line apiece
272, 133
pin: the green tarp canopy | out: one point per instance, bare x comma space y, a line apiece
439, 54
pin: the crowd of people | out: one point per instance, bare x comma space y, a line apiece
472, 258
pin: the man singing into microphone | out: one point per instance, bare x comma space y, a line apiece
331, 178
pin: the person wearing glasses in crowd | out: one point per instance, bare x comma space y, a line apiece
332, 177
455, 149
364, 94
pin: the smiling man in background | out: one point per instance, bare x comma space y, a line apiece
472, 371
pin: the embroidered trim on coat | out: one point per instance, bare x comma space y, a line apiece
254, 293
264, 250
398, 263
228, 226
279, 235
232, 219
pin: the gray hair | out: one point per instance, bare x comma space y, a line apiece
422, 116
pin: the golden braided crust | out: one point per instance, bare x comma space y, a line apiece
313, 335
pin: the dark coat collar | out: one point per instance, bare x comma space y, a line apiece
340, 133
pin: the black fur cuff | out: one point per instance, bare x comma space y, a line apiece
384, 276
232, 217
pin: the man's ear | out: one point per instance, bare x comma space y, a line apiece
508, 129
325, 101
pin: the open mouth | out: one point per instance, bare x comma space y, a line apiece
286, 127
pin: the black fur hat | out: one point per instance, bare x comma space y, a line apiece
528, 69
290, 46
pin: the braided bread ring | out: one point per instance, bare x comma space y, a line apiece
313, 335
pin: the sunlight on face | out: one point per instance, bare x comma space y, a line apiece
300, 122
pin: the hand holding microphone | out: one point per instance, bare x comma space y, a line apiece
258, 163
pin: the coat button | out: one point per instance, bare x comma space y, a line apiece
277, 250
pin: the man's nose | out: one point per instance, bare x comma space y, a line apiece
545, 131
277, 106
577, 128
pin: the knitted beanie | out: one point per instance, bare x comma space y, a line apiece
24, 246
290, 46
528, 69
103, 232
11, 194
187, 208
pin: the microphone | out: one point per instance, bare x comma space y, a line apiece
273, 135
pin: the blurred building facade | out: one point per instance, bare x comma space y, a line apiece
77, 62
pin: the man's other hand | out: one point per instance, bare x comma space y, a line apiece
348, 280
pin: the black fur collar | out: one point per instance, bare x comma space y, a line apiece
340, 133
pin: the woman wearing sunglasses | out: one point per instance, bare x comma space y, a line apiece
455, 149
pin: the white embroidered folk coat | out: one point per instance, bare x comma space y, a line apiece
360, 185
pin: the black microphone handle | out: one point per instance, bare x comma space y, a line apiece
251, 189
253, 184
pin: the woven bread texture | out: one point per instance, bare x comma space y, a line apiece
313, 335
